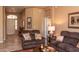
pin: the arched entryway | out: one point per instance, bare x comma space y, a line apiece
11, 24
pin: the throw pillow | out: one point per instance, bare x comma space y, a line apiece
38, 36
60, 38
26, 36
78, 45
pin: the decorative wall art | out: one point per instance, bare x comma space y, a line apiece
73, 20
29, 22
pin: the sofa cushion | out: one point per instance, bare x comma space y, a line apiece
67, 47
77, 45
38, 36
30, 43
31, 33
70, 34
26, 36
64, 46
70, 40
60, 38
74, 35
32, 36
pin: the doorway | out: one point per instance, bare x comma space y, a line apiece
11, 24
12, 41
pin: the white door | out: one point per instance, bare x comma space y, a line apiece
10, 26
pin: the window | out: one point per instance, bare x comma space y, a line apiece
13, 17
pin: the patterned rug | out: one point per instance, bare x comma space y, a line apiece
29, 50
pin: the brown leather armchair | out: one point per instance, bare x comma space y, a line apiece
27, 44
69, 43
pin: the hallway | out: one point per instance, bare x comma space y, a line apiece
12, 43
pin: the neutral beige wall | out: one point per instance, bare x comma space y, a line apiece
1, 24
37, 15
4, 24
28, 13
21, 18
52, 15
61, 18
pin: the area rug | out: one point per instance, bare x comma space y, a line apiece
29, 50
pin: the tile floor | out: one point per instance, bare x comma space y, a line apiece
12, 43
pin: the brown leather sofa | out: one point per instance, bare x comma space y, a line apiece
27, 44
69, 43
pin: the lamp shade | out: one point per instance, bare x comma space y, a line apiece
51, 28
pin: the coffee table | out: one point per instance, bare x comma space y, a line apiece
47, 49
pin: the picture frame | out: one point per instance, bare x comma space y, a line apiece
73, 20
29, 22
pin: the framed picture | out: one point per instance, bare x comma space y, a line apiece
73, 20
29, 22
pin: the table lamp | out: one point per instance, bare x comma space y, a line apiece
51, 30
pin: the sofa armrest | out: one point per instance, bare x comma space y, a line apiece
67, 47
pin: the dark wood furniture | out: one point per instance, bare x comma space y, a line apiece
69, 43
33, 43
